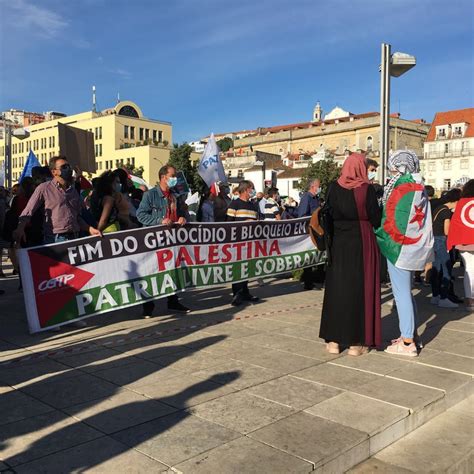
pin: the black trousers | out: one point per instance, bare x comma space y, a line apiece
149, 306
242, 286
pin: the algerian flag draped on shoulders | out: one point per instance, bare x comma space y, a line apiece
405, 236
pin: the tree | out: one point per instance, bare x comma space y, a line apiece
136, 171
180, 158
326, 170
225, 144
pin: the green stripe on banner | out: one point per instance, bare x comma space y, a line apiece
127, 293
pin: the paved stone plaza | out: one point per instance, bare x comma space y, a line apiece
225, 390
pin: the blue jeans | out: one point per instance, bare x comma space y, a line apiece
441, 272
406, 305
55, 238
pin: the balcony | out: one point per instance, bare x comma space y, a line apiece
428, 155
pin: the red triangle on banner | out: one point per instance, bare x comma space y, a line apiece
55, 284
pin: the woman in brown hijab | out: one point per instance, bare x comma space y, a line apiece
351, 308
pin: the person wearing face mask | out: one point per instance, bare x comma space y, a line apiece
62, 207
351, 314
243, 209
308, 204
102, 202
159, 206
272, 209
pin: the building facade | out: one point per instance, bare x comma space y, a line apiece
339, 132
449, 149
122, 137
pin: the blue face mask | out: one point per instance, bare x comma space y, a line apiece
172, 182
253, 193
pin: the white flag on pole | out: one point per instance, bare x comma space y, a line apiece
210, 167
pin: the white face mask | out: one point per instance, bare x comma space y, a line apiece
372, 175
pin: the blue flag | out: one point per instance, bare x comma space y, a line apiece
210, 167
31, 162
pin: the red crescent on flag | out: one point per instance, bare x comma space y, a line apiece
390, 225
467, 214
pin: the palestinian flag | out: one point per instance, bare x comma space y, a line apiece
405, 237
137, 181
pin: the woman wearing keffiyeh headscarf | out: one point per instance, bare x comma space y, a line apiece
405, 238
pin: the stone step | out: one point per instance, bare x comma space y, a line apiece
442, 445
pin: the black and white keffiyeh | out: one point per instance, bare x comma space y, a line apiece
401, 162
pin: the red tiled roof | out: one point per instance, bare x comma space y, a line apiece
452, 116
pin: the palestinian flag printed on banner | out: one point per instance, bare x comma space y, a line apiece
405, 237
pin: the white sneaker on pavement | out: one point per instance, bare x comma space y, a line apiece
400, 348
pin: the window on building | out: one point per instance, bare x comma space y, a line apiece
96, 150
432, 166
369, 144
100, 149
458, 131
447, 184
125, 131
447, 147
294, 184
464, 146
100, 133
147, 133
464, 164
96, 133
447, 165
140, 137
154, 135
441, 132
240, 174
133, 161
132, 133
160, 136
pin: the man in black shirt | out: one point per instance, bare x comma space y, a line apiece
243, 209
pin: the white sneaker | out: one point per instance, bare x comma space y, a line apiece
435, 300
398, 347
447, 303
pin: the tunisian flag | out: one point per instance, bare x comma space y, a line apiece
461, 228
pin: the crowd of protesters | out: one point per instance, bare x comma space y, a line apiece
57, 204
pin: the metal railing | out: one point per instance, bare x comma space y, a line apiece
448, 154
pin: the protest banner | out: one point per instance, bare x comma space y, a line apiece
76, 279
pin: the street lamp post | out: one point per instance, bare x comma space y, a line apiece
20, 133
390, 65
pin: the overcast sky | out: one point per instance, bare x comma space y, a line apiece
219, 65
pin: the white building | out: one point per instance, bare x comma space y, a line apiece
198, 146
449, 149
